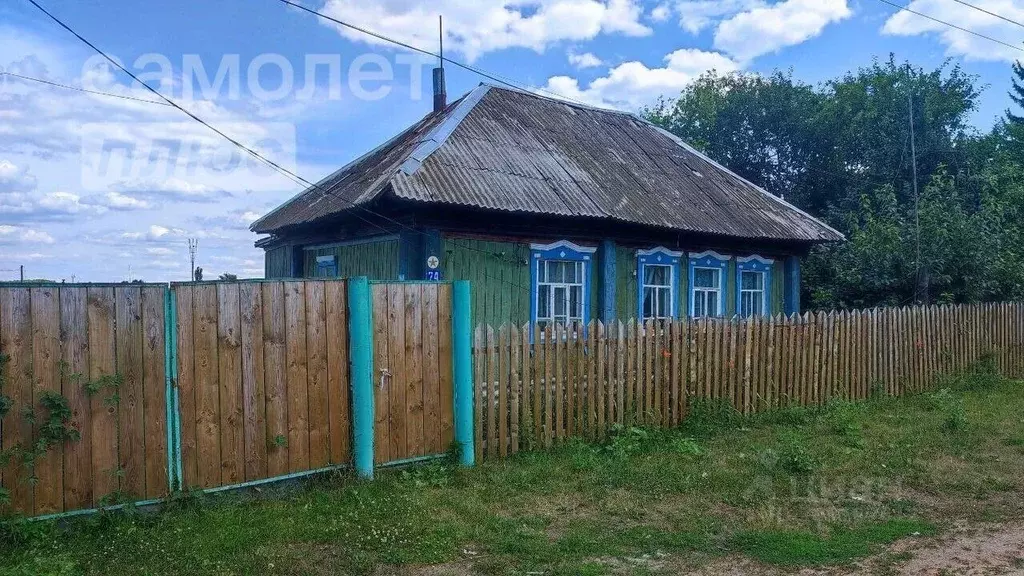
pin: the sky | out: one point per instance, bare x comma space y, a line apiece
97, 188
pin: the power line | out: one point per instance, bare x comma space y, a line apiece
990, 13
275, 166
77, 89
962, 29
489, 75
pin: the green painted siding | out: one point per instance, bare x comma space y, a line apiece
778, 287
375, 260
277, 263
625, 286
730, 288
499, 273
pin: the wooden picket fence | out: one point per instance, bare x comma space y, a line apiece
538, 387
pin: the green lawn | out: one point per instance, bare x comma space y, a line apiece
792, 488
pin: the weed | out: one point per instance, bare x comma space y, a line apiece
796, 460
279, 441
687, 446
626, 440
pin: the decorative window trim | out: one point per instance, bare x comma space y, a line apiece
711, 260
763, 266
658, 256
562, 250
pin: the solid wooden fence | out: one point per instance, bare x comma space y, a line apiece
73, 341
414, 408
537, 388
262, 379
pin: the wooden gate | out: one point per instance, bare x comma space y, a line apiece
412, 336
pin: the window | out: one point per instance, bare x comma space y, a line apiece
707, 279
326, 267
657, 283
559, 291
560, 283
753, 275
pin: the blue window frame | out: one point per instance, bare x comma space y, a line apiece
707, 284
560, 283
657, 280
753, 286
326, 267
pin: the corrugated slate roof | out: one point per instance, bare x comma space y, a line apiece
502, 149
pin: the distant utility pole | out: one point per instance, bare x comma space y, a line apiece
193, 247
21, 269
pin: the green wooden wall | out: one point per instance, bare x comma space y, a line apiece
277, 262
499, 273
375, 260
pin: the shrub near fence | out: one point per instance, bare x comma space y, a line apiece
535, 390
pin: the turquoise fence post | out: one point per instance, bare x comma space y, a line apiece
175, 402
168, 394
462, 329
360, 330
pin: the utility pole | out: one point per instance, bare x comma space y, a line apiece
21, 269
193, 247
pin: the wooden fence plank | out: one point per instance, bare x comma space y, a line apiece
549, 394
297, 376
317, 375
275, 372
537, 388
490, 399
396, 365
515, 344
74, 330
504, 350
632, 407
601, 377
620, 372
46, 368
254, 406
414, 403
131, 432
16, 343
479, 388
229, 361
208, 449
154, 390
446, 377
431, 370
186, 383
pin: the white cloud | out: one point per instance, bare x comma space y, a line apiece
696, 15
17, 234
632, 85
585, 60
767, 29
661, 13
476, 28
958, 42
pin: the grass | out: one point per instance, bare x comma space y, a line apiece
792, 488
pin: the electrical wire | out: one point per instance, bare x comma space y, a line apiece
962, 29
442, 58
270, 163
990, 13
77, 89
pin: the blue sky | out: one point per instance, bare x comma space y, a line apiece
65, 213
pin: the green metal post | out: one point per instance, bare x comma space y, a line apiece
360, 326
168, 394
175, 403
462, 328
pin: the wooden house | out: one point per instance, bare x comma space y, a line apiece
555, 211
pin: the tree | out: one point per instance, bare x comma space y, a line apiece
841, 151
1015, 122
228, 277
197, 274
